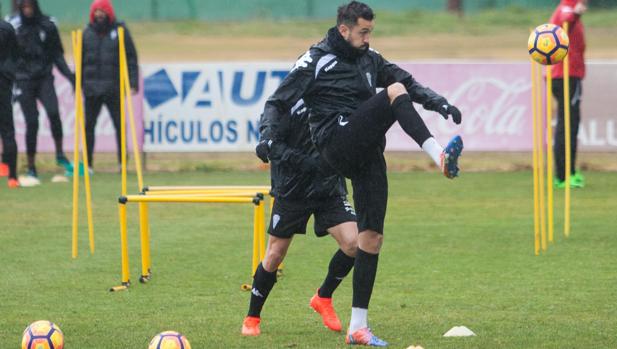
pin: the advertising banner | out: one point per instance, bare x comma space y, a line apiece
207, 107
215, 107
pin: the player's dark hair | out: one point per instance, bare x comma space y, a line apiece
348, 14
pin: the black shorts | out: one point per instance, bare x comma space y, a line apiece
291, 217
355, 149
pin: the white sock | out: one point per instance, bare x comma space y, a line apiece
433, 149
358, 319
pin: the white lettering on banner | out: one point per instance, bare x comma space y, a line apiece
590, 133
490, 107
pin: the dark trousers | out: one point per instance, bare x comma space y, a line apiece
355, 150
28, 92
559, 147
93, 107
7, 128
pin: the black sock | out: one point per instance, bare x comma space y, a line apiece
340, 266
31, 161
263, 281
409, 119
365, 270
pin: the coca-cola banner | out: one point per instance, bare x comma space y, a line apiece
495, 99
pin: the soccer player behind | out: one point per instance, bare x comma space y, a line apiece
8, 42
39, 49
101, 70
302, 186
338, 80
569, 11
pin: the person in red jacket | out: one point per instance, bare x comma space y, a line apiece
101, 70
569, 11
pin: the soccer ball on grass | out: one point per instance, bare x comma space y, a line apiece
169, 340
42, 334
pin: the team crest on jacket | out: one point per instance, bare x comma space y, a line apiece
304, 61
42, 35
113, 34
369, 78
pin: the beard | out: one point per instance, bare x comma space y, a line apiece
358, 50
101, 25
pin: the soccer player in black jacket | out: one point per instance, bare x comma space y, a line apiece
303, 186
101, 69
338, 80
8, 42
39, 49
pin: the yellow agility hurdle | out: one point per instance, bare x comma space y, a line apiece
146, 272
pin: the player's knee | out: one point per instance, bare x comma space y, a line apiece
395, 90
370, 241
349, 247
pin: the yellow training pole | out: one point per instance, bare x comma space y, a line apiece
75, 161
82, 129
566, 97
124, 249
129, 100
536, 205
255, 240
549, 152
540, 136
122, 109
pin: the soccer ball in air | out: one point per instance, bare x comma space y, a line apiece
548, 44
42, 334
169, 340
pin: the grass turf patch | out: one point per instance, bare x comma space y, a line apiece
456, 253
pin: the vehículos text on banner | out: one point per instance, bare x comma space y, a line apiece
213, 107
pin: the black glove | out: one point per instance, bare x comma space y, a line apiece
446, 109
263, 149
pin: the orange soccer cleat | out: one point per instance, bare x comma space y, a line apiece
4, 169
13, 183
250, 326
323, 306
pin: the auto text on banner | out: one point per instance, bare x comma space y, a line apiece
207, 107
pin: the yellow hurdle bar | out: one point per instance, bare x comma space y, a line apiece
566, 119
536, 204
258, 188
145, 231
187, 199
540, 135
549, 152
206, 193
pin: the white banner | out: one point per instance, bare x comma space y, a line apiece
206, 107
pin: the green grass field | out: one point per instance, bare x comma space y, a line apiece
455, 253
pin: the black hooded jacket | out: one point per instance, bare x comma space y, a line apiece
296, 172
333, 78
101, 60
39, 47
8, 54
